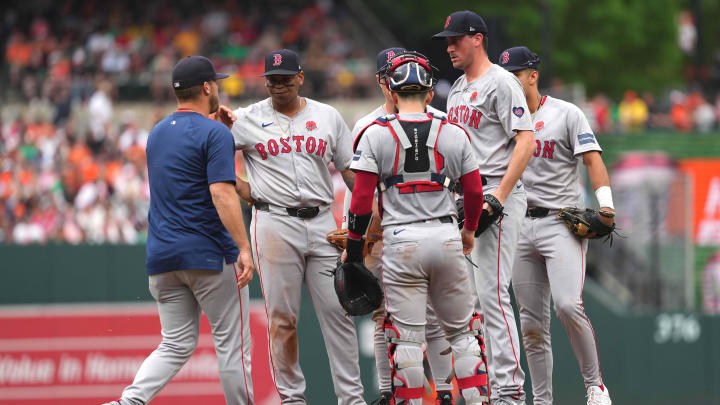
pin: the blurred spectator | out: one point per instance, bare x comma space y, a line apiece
53, 56
633, 112
679, 112
704, 116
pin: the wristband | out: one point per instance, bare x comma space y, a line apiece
604, 197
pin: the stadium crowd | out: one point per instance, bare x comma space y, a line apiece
72, 164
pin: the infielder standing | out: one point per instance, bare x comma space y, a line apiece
440, 364
551, 260
288, 142
195, 222
488, 102
414, 158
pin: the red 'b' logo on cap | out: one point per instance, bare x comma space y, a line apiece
447, 22
277, 59
391, 55
505, 57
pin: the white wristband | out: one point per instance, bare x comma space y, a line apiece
604, 197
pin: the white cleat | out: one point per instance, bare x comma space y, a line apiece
598, 396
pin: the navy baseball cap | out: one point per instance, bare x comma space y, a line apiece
462, 23
192, 71
518, 58
385, 56
282, 62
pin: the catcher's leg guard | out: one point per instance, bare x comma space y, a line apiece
405, 349
468, 348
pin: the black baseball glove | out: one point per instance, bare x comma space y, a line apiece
587, 223
460, 207
485, 218
357, 288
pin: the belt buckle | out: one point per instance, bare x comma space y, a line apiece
307, 212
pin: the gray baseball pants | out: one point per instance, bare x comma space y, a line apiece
290, 252
494, 255
550, 261
181, 297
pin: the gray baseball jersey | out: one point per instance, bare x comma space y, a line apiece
360, 124
562, 134
371, 155
287, 159
490, 108
550, 260
287, 163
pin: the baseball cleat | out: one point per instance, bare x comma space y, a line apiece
598, 396
444, 398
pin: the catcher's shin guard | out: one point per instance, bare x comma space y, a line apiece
468, 348
405, 349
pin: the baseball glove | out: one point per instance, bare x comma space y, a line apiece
587, 223
339, 237
460, 207
485, 218
357, 288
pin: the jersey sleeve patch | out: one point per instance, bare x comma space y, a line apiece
357, 155
586, 138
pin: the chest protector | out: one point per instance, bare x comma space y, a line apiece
409, 176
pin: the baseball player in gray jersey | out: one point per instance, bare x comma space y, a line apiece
488, 102
551, 260
440, 364
288, 142
414, 158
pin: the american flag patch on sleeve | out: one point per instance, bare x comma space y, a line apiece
586, 138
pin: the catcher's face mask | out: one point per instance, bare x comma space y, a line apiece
410, 72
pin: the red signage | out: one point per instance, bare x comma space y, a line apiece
87, 354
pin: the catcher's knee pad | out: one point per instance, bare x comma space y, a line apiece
468, 348
405, 349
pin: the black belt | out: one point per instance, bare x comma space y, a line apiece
447, 219
537, 212
303, 212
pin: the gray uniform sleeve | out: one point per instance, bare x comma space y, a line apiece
343, 153
469, 162
238, 130
581, 136
364, 158
512, 109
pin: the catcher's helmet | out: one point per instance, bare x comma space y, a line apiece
410, 72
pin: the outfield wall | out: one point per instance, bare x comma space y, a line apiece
668, 358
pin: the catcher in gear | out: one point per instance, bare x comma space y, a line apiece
414, 159
437, 347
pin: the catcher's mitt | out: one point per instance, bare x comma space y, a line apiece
357, 288
585, 223
485, 218
339, 237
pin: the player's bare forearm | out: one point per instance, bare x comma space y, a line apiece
242, 187
225, 116
228, 207
349, 178
596, 169
524, 146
